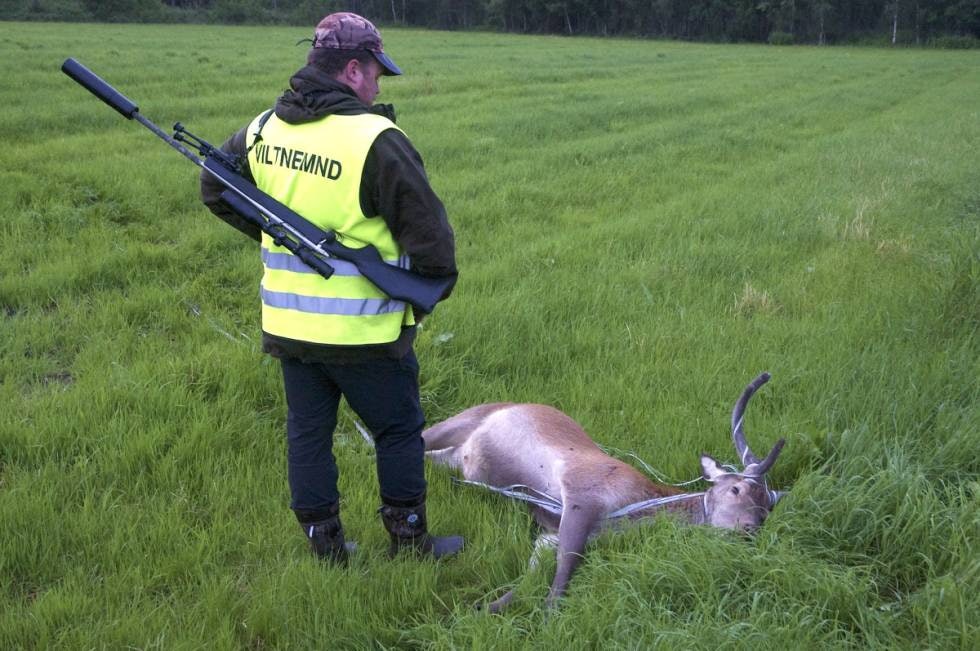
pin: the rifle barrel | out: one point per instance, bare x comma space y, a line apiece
310, 243
100, 88
125, 106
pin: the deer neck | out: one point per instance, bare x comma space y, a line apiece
692, 509
689, 507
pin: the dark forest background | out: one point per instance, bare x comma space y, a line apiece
943, 23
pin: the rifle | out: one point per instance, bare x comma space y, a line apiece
308, 242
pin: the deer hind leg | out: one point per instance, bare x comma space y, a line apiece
545, 542
444, 442
454, 432
577, 522
445, 457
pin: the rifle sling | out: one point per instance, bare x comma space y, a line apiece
258, 137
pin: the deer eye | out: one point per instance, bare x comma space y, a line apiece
735, 490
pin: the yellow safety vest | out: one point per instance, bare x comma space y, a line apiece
315, 168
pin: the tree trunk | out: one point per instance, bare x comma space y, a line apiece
917, 22
895, 25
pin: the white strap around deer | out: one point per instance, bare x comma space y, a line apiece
554, 505
520, 492
651, 503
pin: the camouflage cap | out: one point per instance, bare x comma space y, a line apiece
347, 31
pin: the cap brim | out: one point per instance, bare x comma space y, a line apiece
389, 66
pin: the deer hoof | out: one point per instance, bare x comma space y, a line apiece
498, 605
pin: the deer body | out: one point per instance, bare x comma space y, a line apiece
537, 446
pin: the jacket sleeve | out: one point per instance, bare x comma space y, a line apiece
394, 185
211, 189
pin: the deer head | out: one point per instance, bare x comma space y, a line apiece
740, 500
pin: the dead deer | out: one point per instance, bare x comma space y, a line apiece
545, 453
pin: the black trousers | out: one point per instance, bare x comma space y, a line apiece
384, 393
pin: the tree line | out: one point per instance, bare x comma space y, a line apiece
948, 23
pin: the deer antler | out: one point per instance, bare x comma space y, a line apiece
750, 461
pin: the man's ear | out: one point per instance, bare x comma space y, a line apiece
352, 70
711, 469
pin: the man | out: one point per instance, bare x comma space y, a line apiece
330, 154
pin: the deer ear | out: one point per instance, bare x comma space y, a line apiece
710, 469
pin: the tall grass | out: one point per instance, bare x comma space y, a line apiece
642, 227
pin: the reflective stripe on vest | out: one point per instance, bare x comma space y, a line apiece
318, 305
315, 168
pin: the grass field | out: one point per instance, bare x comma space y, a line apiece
642, 228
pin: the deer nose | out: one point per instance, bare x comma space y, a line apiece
750, 525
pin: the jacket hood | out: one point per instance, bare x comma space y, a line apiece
313, 94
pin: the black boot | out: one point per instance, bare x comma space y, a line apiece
405, 522
326, 534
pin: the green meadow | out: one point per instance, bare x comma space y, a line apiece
642, 228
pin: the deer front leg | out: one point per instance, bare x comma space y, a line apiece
577, 522
544, 542
498, 605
